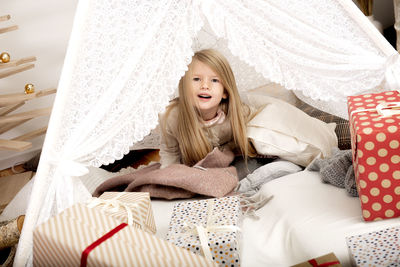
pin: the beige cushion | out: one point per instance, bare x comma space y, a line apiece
283, 130
342, 129
274, 90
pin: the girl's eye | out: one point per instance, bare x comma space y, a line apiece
196, 79
215, 80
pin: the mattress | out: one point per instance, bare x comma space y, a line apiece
306, 218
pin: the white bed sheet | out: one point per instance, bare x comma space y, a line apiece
305, 219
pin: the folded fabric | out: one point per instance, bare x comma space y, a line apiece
212, 176
278, 168
337, 170
285, 131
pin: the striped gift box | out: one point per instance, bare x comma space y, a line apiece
63, 239
115, 204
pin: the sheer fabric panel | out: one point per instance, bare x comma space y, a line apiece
125, 59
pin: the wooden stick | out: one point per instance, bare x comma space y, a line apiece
12, 99
10, 109
46, 92
24, 96
14, 145
366, 6
25, 115
9, 126
16, 70
370, 7
8, 29
5, 17
18, 62
31, 134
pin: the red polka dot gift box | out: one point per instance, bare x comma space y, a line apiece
375, 142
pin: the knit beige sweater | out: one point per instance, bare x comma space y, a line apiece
219, 135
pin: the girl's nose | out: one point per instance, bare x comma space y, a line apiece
204, 84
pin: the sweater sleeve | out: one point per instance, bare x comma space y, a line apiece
169, 147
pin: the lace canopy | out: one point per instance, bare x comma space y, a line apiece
125, 59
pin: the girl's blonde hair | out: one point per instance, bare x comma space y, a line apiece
193, 142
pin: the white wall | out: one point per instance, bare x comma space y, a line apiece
44, 28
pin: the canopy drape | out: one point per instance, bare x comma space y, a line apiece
125, 59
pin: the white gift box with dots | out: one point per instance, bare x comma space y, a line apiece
379, 248
375, 140
223, 245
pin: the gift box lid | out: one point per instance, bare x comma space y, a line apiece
209, 227
138, 202
377, 248
327, 260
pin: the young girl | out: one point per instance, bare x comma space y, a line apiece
208, 113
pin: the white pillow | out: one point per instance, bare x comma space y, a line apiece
285, 131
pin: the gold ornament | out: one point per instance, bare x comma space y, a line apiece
29, 88
5, 57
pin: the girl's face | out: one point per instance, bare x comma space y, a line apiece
206, 89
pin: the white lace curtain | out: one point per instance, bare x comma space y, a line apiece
125, 59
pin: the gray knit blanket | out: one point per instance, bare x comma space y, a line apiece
337, 170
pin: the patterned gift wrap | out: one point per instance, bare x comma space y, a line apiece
376, 152
133, 208
214, 221
96, 239
379, 248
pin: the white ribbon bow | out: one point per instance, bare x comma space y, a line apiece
384, 109
114, 205
387, 109
211, 227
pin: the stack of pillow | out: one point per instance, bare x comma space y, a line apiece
291, 129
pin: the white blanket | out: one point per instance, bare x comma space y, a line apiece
305, 219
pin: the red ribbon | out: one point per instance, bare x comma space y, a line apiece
92, 246
314, 263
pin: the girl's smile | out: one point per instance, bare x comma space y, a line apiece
204, 97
